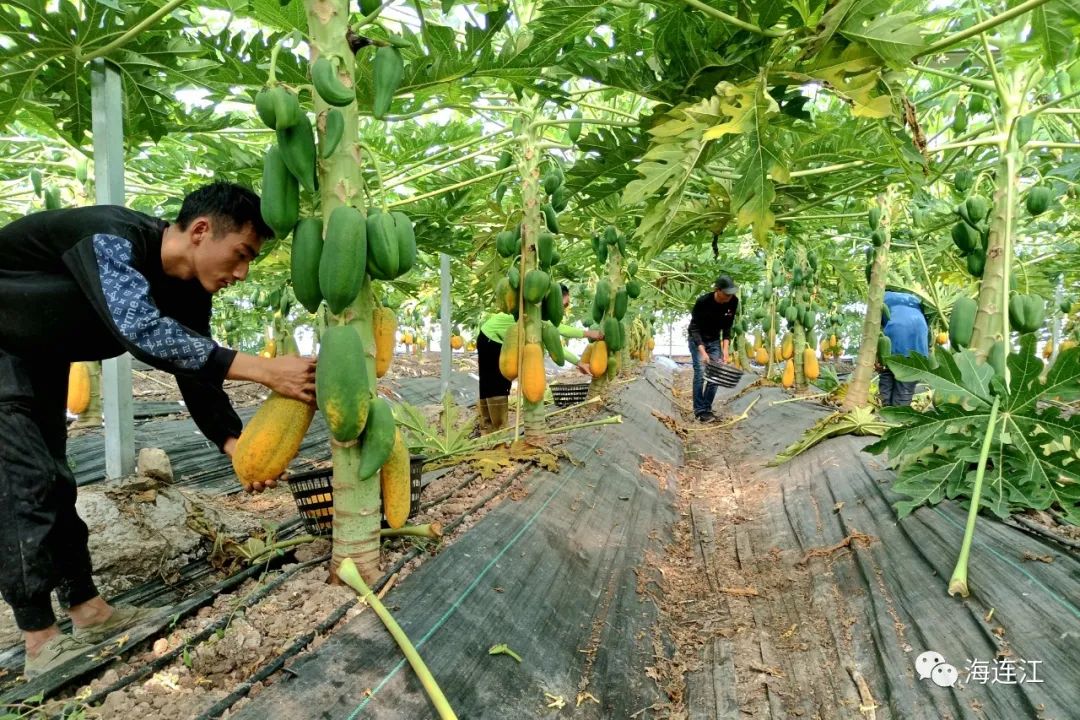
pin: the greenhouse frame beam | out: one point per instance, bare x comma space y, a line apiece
116, 397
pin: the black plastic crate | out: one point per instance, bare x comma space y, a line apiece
567, 394
313, 492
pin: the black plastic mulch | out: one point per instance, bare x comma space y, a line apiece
552, 575
890, 596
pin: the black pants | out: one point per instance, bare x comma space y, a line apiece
492, 382
42, 539
894, 393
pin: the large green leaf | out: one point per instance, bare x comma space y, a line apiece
1034, 459
893, 34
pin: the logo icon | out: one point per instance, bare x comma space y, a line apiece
931, 665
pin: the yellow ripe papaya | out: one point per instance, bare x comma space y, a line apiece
598, 360
508, 355
532, 373
761, 356
396, 485
407, 338
271, 439
78, 394
788, 379
1048, 349
384, 326
652, 344
833, 342
456, 342
811, 369
942, 338
587, 354
787, 346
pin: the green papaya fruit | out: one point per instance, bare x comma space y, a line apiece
573, 130
621, 303
551, 182
960, 118
965, 237
287, 111
280, 200
367, 7
324, 78
344, 258
976, 207
632, 268
963, 180
297, 144
633, 289
382, 246
387, 74
506, 244
332, 133
603, 293
877, 238
884, 347
514, 276
35, 181
551, 218
611, 235
553, 343
962, 322
307, 248
1038, 200
406, 242
535, 286
976, 262
874, 217
602, 254
612, 333
545, 248
996, 358
560, 198
1026, 313
555, 257
553, 307
341, 383
377, 440
976, 103
505, 158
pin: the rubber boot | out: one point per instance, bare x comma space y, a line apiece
498, 409
484, 415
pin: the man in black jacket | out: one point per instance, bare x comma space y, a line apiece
91, 283
712, 317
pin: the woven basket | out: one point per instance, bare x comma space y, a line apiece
313, 492
567, 394
722, 375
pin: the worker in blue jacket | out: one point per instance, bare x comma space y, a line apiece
905, 326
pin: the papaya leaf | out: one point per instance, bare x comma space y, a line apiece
882, 25
1034, 459
854, 73
1049, 29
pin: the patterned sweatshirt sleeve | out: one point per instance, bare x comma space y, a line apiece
103, 266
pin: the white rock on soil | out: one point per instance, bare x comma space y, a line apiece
154, 463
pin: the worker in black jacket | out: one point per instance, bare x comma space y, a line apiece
87, 284
710, 338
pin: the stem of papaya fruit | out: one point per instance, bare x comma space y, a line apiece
351, 577
958, 583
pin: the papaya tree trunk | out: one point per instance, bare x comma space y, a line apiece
357, 503
529, 321
992, 319
858, 394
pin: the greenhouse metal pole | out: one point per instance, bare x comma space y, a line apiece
446, 351
108, 128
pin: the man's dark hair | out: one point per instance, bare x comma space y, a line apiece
231, 206
565, 290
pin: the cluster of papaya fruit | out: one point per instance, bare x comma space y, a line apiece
971, 232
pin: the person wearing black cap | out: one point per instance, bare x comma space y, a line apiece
710, 337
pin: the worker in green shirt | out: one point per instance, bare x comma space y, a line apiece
494, 388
